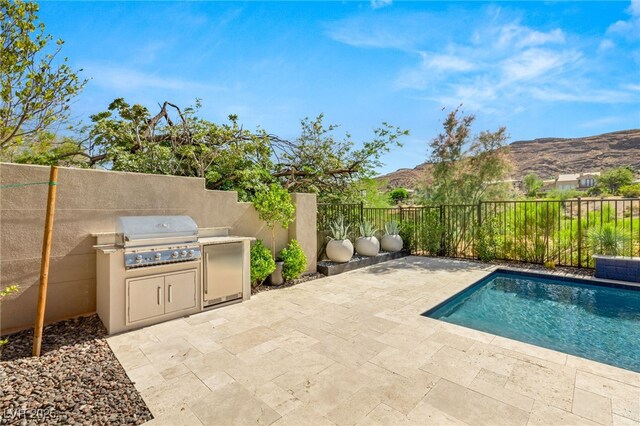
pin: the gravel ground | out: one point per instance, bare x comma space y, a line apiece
562, 270
303, 279
77, 380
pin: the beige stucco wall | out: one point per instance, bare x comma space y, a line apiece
89, 201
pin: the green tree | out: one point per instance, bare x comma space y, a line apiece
466, 168
35, 85
612, 180
532, 184
274, 206
398, 195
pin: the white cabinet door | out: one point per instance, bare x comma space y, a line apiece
180, 291
145, 298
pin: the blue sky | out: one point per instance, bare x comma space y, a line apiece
541, 69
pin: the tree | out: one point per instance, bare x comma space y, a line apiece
398, 195
612, 180
532, 184
468, 169
35, 86
319, 163
274, 206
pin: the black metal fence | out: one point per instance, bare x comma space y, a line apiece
541, 231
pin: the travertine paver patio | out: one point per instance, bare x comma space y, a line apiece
354, 349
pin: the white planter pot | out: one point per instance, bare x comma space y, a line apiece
367, 246
392, 243
339, 251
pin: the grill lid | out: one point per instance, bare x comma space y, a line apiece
136, 229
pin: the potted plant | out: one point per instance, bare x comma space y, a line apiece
367, 244
339, 248
392, 241
275, 206
610, 245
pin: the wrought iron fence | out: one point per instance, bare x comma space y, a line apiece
537, 231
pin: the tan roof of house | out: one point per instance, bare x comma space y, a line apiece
575, 176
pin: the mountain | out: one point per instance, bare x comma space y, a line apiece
549, 157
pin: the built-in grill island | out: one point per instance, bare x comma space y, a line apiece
150, 270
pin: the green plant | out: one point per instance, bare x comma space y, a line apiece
274, 206
3, 293
398, 195
339, 230
262, 263
392, 228
295, 262
486, 240
609, 240
550, 264
367, 229
630, 191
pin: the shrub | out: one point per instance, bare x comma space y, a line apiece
295, 262
609, 240
630, 191
262, 263
3, 293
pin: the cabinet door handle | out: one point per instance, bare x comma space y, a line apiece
170, 293
159, 295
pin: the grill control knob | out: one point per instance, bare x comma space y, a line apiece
139, 258
174, 254
158, 256
191, 253
183, 253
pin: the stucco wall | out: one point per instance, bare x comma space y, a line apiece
89, 201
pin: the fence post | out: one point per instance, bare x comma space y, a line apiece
579, 232
443, 239
479, 214
361, 211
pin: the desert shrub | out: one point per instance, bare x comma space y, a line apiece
630, 191
295, 262
609, 240
262, 263
486, 240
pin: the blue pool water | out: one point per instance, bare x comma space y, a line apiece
591, 321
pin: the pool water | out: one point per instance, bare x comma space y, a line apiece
597, 322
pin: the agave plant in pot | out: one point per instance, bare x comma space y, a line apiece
392, 241
367, 244
339, 248
611, 248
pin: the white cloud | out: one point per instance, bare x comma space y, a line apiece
378, 4
127, 79
533, 63
520, 36
630, 28
605, 45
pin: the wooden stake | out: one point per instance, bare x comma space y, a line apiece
44, 264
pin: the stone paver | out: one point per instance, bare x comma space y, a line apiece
354, 349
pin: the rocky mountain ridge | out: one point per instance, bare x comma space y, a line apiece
549, 157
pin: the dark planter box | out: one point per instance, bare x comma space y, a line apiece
618, 268
329, 268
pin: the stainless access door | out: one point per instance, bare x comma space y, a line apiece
223, 274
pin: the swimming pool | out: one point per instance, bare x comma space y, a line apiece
598, 322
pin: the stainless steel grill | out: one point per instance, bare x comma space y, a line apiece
157, 240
